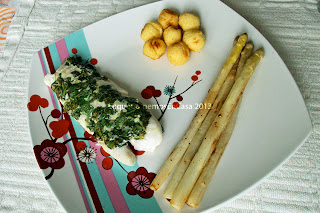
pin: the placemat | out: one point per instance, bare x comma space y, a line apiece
291, 26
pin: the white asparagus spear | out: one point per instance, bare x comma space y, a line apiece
182, 146
206, 175
245, 54
191, 175
208, 171
195, 143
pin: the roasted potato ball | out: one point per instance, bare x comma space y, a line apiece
178, 53
151, 30
154, 48
168, 18
172, 35
194, 39
189, 21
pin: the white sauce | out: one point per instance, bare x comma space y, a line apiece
152, 138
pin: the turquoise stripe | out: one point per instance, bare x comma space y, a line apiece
54, 56
78, 41
56, 59
95, 174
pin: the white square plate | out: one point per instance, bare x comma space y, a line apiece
273, 121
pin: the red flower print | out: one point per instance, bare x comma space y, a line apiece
157, 93
104, 153
36, 101
175, 104
179, 98
107, 163
139, 183
74, 51
50, 154
136, 152
146, 93
194, 78
55, 113
150, 91
59, 128
81, 145
152, 88
88, 135
93, 61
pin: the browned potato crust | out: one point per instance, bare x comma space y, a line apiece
154, 48
194, 39
168, 18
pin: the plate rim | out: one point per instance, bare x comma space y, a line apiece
228, 199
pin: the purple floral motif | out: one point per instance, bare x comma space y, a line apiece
139, 183
50, 154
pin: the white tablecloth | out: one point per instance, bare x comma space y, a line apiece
292, 27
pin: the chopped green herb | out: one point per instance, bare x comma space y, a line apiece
114, 118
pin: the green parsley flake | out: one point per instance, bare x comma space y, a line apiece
81, 95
